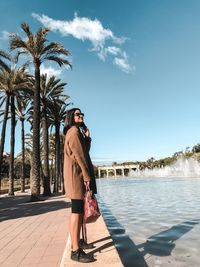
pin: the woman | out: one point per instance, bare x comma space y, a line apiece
78, 173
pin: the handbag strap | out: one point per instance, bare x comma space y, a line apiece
87, 187
84, 231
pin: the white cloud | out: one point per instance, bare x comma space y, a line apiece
4, 35
50, 71
83, 29
122, 63
112, 50
80, 28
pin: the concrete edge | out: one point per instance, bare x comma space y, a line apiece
110, 255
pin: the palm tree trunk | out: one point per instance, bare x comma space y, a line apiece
35, 176
45, 133
23, 156
57, 161
12, 148
3, 133
52, 171
41, 176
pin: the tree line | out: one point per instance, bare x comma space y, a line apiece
153, 163
38, 100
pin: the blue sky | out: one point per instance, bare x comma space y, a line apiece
135, 74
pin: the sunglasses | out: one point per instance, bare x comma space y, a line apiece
79, 114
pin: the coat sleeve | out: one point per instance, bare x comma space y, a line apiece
77, 149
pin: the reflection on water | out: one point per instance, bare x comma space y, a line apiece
155, 219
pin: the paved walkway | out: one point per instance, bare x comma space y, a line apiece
36, 234
32, 234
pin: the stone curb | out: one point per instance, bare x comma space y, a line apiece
104, 252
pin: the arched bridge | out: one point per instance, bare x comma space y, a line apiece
116, 170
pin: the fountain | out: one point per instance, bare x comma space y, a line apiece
181, 168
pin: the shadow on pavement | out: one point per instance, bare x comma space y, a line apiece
20, 206
100, 240
100, 249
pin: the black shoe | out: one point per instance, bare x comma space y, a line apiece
85, 245
80, 256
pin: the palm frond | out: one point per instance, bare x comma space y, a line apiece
60, 61
2, 101
17, 42
19, 53
5, 55
40, 39
55, 48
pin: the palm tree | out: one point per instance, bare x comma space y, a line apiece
4, 112
22, 103
27, 164
29, 143
57, 117
29, 147
4, 98
51, 90
37, 48
12, 81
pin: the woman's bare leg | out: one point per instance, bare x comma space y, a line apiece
75, 227
80, 224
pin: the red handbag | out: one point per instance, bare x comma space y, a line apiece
91, 209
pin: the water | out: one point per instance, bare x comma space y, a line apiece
154, 221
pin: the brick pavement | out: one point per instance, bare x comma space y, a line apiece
33, 234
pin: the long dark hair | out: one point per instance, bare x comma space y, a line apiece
69, 121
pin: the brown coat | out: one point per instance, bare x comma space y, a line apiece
77, 164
